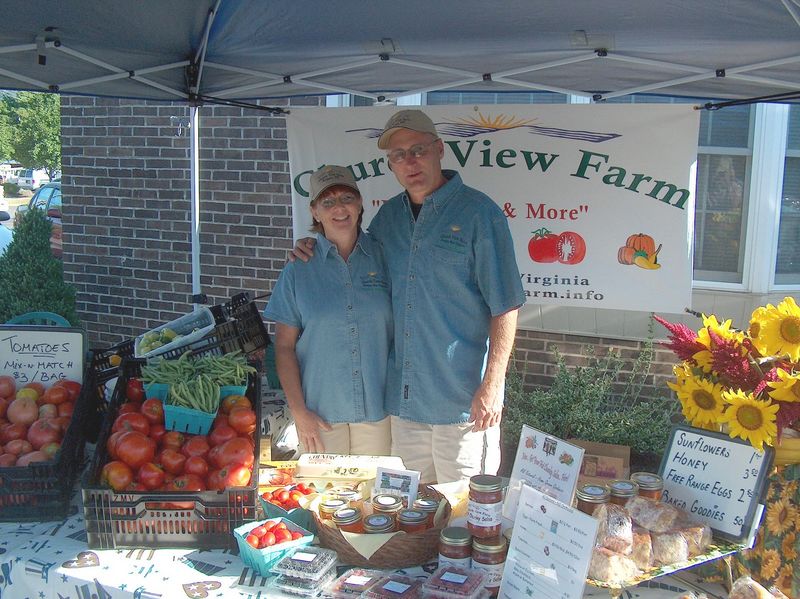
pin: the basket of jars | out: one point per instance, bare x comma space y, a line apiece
382, 532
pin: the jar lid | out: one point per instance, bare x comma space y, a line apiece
385, 501
344, 493
411, 516
623, 488
378, 523
490, 545
426, 505
648, 481
455, 535
592, 493
346, 515
332, 504
485, 483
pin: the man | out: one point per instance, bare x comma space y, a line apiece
455, 286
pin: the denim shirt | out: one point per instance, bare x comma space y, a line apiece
452, 270
344, 312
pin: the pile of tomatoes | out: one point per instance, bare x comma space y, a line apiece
271, 532
287, 497
33, 419
144, 456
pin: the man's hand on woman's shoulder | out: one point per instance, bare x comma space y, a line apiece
303, 250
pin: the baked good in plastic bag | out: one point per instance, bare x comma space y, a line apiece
611, 567
642, 553
615, 530
747, 588
655, 516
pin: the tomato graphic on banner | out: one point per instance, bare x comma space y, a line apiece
567, 248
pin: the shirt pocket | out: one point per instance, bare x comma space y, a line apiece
450, 272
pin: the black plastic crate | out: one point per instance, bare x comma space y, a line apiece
203, 520
42, 490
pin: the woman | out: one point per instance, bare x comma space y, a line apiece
333, 334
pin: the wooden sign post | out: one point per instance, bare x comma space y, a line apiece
716, 479
41, 354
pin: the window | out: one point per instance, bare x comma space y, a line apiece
787, 265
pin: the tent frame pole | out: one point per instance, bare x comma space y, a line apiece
194, 156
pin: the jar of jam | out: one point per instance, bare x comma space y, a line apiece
455, 547
377, 523
650, 485
589, 496
489, 555
427, 506
412, 521
348, 519
351, 496
622, 490
387, 504
484, 506
330, 505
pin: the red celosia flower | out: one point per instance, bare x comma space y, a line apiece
730, 362
682, 340
788, 416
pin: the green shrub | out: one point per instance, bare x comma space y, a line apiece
596, 402
31, 278
10, 190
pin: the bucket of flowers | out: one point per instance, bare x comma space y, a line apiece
746, 383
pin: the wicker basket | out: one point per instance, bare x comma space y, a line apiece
401, 551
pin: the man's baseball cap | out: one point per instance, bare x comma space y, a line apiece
329, 176
416, 120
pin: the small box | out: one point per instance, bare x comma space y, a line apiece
261, 560
189, 328
307, 563
394, 586
354, 582
303, 587
603, 462
452, 582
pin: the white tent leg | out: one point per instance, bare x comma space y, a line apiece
194, 126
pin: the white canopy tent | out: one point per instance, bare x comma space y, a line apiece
229, 51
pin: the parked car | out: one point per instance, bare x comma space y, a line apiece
48, 199
32, 179
6, 235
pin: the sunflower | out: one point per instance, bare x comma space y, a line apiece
785, 578
787, 388
777, 329
770, 563
701, 400
789, 548
749, 418
780, 517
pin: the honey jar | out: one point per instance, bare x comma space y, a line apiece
622, 490
387, 504
330, 505
348, 519
455, 547
485, 506
428, 506
589, 496
351, 496
650, 485
378, 523
412, 521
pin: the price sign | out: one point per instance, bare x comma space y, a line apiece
716, 479
41, 354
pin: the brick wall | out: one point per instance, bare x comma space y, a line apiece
127, 246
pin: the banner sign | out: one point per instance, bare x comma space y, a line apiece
599, 199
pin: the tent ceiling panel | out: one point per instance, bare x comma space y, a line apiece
281, 48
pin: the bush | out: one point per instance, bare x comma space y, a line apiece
31, 278
10, 190
584, 402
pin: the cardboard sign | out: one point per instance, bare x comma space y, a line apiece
716, 479
603, 462
41, 354
550, 549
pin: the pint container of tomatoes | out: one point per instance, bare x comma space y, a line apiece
286, 502
264, 542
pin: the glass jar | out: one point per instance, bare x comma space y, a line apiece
330, 505
589, 496
650, 485
485, 506
429, 507
377, 523
622, 490
351, 496
348, 519
387, 504
455, 547
412, 521
489, 555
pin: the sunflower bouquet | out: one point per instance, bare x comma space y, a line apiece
745, 382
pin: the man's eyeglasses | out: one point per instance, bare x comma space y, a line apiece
331, 201
417, 151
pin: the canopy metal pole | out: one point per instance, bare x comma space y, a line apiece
194, 126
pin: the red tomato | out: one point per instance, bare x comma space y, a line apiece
134, 390
7, 459
214, 481
571, 248
221, 432
23, 410
282, 535
135, 449
38, 387
66, 408
242, 420
238, 450
297, 535
128, 407
187, 483
51, 449
8, 386
116, 475
63, 422
4, 403
259, 531
12, 431
55, 395
234, 401
283, 496
44, 431
18, 447
543, 246
235, 475
48, 410
172, 460
196, 445
196, 465
150, 475
252, 540
131, 422
153, 410
173, 440
157, 431
111, 444
268, 540
72, 387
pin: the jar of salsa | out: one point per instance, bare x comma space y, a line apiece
377, 523
330, 505
428, 507
455, 547
489, 555
622, 490
484, 506
589, 496
348, 519
412, 521
650, 485
387, 504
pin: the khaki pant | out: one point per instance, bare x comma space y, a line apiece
445, 452
360, 438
